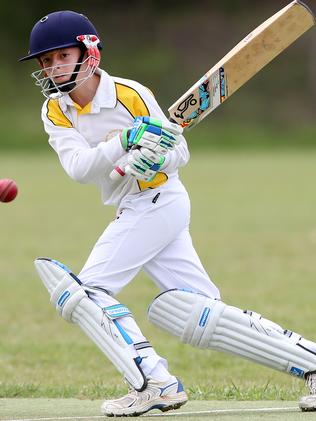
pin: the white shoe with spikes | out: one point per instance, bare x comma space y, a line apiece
157, 395
308, 403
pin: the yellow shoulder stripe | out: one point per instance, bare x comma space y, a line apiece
131, 100
55, 114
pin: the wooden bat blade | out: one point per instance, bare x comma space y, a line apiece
246, 59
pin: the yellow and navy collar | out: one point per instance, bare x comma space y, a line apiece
105, 96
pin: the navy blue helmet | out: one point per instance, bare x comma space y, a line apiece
59, 30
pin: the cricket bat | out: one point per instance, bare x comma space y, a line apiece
245, 60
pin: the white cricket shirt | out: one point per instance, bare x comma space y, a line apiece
87, 140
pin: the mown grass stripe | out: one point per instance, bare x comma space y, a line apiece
222, 412
176, 413
58, 418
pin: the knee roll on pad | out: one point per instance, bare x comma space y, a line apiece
100, 324
67, 295
209, 323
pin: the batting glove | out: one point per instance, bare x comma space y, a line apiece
152, 134
144, 163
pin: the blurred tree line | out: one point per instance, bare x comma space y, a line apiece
167, 46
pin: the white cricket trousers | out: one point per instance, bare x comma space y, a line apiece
151, 232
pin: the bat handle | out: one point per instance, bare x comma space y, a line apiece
117, 173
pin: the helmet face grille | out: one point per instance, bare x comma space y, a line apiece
50, 89
58, 30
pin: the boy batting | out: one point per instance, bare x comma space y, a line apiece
95, 123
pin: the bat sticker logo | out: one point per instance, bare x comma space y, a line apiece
189, 101
222, 84
204, 103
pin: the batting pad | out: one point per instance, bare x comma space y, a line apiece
208, 323
100, 324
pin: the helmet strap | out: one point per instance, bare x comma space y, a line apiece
72, 81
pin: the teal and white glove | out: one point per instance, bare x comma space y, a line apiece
144, 163
152, 134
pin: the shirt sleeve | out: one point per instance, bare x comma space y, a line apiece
81, 162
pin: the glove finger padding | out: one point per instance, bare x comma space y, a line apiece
153, 134
174, 128
148, 157
156, 138
144, 163
139, 174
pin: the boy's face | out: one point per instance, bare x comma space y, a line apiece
60, 64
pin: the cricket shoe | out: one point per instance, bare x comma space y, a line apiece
157, 395
308, 403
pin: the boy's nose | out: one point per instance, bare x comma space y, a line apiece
55, 62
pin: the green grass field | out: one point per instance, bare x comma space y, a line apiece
254, 226
74, 409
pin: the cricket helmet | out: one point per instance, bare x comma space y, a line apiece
59, 30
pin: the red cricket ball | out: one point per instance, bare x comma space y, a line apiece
8, 190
